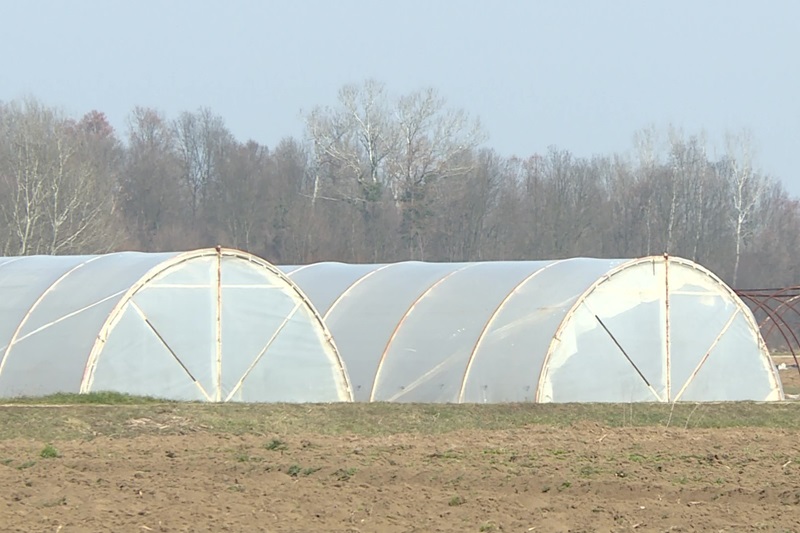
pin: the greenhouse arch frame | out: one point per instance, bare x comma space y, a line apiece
651, 329
208, 325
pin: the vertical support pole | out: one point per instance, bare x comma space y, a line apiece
218, 395
666, 329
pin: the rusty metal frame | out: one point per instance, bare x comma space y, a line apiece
777, 310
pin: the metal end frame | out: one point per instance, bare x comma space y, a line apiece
218, 321
670, 263
748, 315
667, 343
116, 314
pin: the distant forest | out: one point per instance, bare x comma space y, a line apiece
380, 178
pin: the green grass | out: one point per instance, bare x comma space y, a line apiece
92, 398
49, 452
455, 501
589, 470
104, 414
244, 457
344, 474
297, 470
276, 445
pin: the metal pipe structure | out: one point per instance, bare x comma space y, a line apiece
777, 311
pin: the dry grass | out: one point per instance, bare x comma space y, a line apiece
89, 416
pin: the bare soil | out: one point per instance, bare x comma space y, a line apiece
178, 473
790, 378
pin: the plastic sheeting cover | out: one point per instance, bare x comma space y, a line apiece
204, 325
575, 330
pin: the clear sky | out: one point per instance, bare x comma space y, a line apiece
581, 75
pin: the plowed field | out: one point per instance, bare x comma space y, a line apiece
178, 467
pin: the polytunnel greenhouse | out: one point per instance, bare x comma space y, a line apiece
210, 325
656, 329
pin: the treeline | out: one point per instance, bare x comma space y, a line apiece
377, 179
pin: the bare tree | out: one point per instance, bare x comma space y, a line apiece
648, 147
351, 141
242, 195
59, 196
202, 142
433, 142
151, 191
384, 179
773, 259
371, 148
462, 209
748, 187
